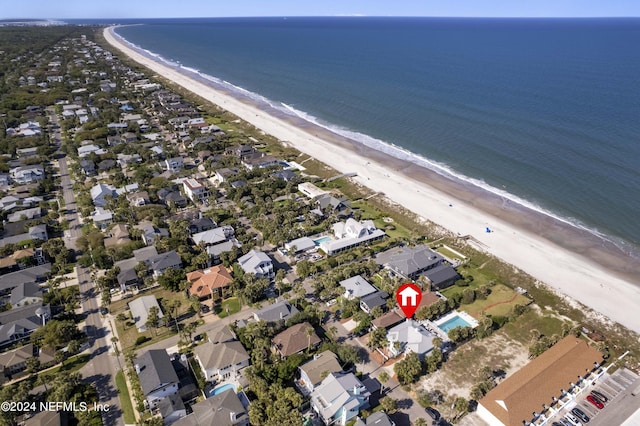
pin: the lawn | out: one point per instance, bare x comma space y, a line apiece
499, 303
125, 399
520, 329
128, 333
229, 307
71, 364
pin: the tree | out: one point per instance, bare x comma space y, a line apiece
171, 309
408, 369
383, 377
420, 422
389, 405
32, 364
461, 406
378, 338
153, 318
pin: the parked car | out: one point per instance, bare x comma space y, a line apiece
581, 415
595, 402
572, 419
599, 396
433, 413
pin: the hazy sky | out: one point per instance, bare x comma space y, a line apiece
215, 8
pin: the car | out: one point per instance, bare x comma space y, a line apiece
197, 337
104, 311
595, 402
433, 413
599, 396
556, 424
581, 415
572, 419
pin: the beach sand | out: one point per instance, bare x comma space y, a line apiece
556, 254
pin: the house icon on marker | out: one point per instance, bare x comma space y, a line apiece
409, 297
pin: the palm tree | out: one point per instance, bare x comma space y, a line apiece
383, 377
309, 331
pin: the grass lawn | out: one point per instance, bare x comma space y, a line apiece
72, 364
502, 298
229, 307
129, 333
520, 330
125, 399
448, 253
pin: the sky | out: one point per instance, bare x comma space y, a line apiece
79, 9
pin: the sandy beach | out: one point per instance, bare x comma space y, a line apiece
555, 254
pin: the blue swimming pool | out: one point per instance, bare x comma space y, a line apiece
456, 321
222, 388
321, 240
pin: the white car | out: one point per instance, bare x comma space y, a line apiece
572, 419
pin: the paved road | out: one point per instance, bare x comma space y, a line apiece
102, 367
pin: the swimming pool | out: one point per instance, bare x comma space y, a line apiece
456, 319
321, 240
222, 388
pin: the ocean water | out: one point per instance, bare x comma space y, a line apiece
545, 112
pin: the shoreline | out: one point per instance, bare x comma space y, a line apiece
558, 254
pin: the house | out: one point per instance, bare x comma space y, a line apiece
285, 175
257, 263
27, 214
356, 287
171, 198
310, 190
171, 409
106, 165
222, 175
15, 361
374, 300
101, 192
221, 361
119, 235
279, 311
140, 310
150, 232
207, 282
88, 167
240, 151
411, 337
27, 174
50, 418
201, 224
25, 294
129, 137
222, 409
339, 398
163, 261
85, 150
138, 199
10, 281
295, 339
194, 190
327, 203
102, 218
387, 320
314, 371
412, 262
351, 234
298, 245
18, 323
260, 161
378, 418
216, 250
173, 165
516, 399
158, 379
27, 152
213, 236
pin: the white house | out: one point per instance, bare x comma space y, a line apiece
351, 234
27, 174
357, 287
411, 337
221, 361
258, 263
339, 398
194, 190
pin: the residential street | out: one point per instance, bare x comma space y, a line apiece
102, 366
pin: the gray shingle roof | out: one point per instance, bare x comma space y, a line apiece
155, 370
282, 310
220, 355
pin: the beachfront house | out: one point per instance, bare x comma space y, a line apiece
351, 234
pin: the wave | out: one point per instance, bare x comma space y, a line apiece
385, 147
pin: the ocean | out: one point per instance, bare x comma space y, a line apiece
543, 112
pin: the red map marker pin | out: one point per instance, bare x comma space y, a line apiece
408, 297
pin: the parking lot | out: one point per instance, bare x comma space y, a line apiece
617, 387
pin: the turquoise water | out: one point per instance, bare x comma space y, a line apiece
222, 388
454, 322
321, 240
543, 112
